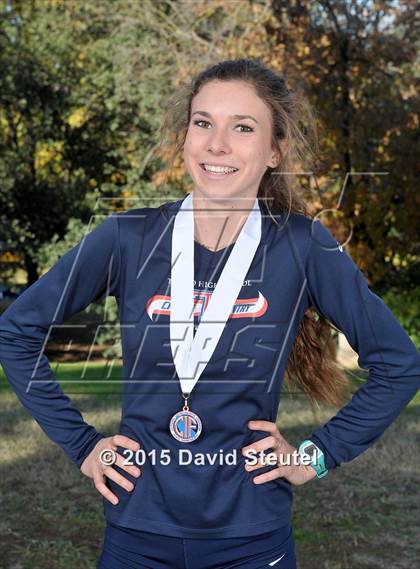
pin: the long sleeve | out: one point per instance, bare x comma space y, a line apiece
339, 291
85, 273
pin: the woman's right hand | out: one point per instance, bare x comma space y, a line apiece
94, 466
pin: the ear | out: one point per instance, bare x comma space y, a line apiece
277, 154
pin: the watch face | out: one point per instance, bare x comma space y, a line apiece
312, 451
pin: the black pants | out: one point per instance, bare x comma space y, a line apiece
125, 548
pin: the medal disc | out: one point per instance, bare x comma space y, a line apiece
185, 426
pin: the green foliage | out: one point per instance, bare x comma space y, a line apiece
144, 195
358, 63
107, 335
74, 130
405, 304
84, 85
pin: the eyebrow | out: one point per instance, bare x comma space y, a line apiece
231, 116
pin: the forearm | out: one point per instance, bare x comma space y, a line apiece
85, 273
339, 291
44, 399
363, 420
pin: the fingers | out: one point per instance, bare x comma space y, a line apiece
99, 482
280, 470
276, 442
269, 427
110, 472
262, 444
270, 475
271, 459
118, 478
261, 425
123, 441
131, 469
103, 470
285, 457
126, 442
250, 467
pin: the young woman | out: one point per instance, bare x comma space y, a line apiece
218, 294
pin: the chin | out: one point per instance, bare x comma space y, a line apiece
207, 191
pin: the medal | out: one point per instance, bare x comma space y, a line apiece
192, 353
185, 425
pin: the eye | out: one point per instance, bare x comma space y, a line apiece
250, 129
242, 126
200, 121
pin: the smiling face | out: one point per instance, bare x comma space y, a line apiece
230, 126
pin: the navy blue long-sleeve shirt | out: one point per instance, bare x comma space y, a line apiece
297, 265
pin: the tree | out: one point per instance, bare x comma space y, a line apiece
62, 123
358, 60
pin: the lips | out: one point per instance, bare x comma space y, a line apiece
217, 175
218, 165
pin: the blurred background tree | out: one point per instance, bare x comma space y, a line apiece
83, 87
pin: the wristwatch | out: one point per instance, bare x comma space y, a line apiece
313, 457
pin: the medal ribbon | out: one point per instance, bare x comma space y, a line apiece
192, 353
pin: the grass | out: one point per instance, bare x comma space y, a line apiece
96, 378
363, 515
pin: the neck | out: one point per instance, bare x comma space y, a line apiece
219, 221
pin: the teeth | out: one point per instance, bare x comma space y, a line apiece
219, 169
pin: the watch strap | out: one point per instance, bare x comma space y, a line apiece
317, 458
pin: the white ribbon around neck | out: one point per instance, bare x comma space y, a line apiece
192, 353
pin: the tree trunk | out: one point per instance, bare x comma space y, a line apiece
31, 269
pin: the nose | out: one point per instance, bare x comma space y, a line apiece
218, 143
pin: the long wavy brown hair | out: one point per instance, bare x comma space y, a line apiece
311, 366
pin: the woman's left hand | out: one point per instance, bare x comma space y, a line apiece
285, 466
